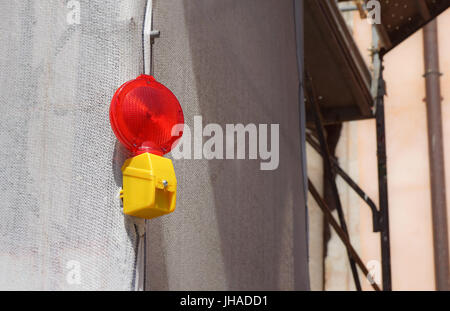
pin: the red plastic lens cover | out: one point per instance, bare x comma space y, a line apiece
143, 114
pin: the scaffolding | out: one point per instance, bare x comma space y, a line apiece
380, 216
385, 36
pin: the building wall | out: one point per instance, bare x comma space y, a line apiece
338, 275
315, 222
408, 167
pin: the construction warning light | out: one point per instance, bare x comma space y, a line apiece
148, 120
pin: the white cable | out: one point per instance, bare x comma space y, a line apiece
147, 33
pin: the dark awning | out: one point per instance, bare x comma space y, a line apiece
340, 76
401, 18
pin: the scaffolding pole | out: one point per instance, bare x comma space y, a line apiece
436, 156
329, 172
383, 219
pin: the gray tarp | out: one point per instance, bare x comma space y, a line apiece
230, 61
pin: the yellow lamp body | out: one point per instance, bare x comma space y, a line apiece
149, 186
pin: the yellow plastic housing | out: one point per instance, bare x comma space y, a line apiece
149, 186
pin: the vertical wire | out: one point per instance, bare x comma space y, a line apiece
147, 69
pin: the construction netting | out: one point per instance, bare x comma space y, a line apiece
61, 222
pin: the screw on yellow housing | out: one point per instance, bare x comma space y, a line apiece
149, 186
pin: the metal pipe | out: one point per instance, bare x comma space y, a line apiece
328, 169
350, 182
383, 219
436, 156
341, 233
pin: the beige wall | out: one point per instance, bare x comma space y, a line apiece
408, 171
407, 152
315, 222
337, 270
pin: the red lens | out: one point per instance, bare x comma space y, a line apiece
143, 113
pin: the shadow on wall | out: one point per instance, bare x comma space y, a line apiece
244, 61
